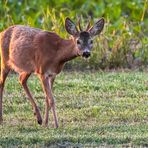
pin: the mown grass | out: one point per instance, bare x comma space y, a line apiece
94, 109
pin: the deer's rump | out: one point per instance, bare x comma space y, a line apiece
17, 47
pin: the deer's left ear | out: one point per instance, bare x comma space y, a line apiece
71, 27
97, 28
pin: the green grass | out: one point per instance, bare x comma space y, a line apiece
94, 109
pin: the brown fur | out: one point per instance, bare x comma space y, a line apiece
26, 49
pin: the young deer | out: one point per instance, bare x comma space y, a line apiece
29, 50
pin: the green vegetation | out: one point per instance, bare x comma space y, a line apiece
94, 108
123, 43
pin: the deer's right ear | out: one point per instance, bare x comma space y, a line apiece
71, 27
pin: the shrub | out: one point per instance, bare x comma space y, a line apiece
123, 43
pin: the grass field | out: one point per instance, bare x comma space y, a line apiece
94, 109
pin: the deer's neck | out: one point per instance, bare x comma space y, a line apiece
68, 50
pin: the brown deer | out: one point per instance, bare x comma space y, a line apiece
29, 50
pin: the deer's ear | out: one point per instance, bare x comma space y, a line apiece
97, 28
71, 27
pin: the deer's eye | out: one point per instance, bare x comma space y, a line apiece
78, 42
91, 41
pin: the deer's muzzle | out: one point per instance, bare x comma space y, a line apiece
86, 54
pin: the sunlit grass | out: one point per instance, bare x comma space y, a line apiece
94, 108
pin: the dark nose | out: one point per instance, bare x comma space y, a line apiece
86, 54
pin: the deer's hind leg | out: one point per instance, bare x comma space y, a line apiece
23, 80
4, 73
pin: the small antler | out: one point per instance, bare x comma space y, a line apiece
88, 26
79, 19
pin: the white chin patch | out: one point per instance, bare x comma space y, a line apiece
86, 59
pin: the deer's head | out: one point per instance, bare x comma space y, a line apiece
84, 39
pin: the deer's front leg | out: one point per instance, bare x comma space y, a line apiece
47, 87
46, 115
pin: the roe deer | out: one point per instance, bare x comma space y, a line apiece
29, 50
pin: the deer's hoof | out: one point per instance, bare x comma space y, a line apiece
56, 126
40, 121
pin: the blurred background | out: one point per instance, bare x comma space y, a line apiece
122, 44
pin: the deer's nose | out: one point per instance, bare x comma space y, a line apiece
86, 54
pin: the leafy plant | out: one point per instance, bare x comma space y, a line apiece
125, 23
